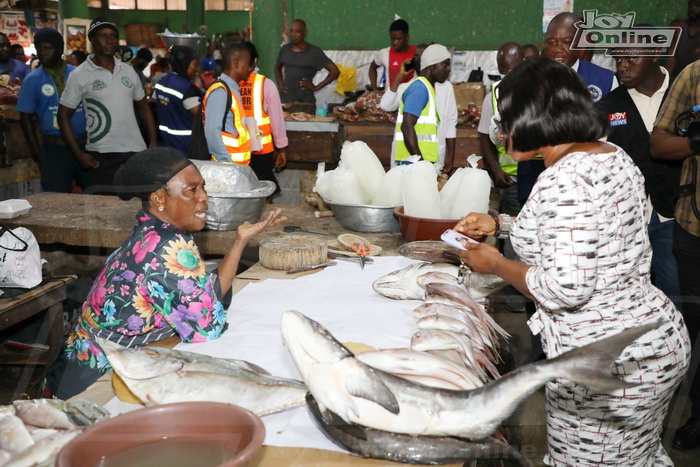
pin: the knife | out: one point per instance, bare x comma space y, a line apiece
352, 259
309, 268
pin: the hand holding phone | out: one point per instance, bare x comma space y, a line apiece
454, 238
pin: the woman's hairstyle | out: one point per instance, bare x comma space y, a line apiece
545, 103
148, 171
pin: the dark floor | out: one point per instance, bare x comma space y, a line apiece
22, 381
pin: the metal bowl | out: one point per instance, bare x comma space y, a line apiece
190, 40
365, 218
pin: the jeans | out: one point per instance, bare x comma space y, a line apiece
662, 261
686, 248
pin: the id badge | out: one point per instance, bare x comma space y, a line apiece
55, 121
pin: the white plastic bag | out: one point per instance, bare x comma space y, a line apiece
20, 260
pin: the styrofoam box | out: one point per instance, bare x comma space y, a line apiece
11, 208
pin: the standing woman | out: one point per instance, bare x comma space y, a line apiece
586, 260
178, 98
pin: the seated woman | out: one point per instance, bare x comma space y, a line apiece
155, 285
586, 262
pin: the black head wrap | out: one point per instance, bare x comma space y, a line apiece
180, 58
148, 171
50, 36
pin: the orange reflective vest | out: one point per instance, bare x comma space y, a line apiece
253, 96
237, 147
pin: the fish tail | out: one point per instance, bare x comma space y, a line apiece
591, 364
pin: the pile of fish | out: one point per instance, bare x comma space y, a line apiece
453, 326
32, 432
346, 388
159, 376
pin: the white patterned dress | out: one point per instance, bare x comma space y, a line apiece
583, 230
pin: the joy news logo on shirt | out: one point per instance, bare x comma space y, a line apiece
618, 118
612, 31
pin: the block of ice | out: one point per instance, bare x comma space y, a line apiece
345, 188
323, 184
389, 191
473, 193
363, 162
420, 192
448, 194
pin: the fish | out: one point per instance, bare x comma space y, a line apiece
474, 357
397, 447
43, 451
460, 297
363, 395
403, 283
421, 367
430, 251
160, 376
41, 413
14, 436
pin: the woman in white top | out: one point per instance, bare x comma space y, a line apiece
583, 243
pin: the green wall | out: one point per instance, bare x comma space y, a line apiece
364, 24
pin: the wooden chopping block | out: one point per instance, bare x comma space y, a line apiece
292, 251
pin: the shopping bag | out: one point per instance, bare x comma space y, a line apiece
20, 260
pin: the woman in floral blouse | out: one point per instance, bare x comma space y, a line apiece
585, 259
155, 285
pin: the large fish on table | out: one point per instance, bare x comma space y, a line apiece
373, 398
397, 447
160, 376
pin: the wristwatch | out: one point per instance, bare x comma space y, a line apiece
506, 223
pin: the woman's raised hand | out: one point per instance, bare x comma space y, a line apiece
246, 231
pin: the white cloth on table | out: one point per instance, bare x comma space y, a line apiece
339, 297
583, 231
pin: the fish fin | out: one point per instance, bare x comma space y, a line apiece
591, 364
369, 386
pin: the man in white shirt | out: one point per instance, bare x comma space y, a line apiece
446, 106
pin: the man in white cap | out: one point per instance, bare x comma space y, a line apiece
418, 119
446, 106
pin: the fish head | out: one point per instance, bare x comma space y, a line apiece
309, 343
143, 362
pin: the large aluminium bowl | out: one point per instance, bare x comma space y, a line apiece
171, 38
229, 210
420, 228
365, 218
229, 434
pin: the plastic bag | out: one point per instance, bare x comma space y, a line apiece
20, 260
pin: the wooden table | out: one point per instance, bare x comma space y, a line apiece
46, 298
96, 221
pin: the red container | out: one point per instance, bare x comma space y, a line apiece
419, 228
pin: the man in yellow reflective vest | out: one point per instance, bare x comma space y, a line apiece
417, 122
231, 143
261, 100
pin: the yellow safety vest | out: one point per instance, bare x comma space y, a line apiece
253, 98
508, 165
426, 127
237, 147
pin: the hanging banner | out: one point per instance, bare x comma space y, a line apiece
551, 8
15, 26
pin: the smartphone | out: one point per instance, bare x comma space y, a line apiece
409, 66
453, 238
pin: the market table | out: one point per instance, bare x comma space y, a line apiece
97, 221
239, 341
